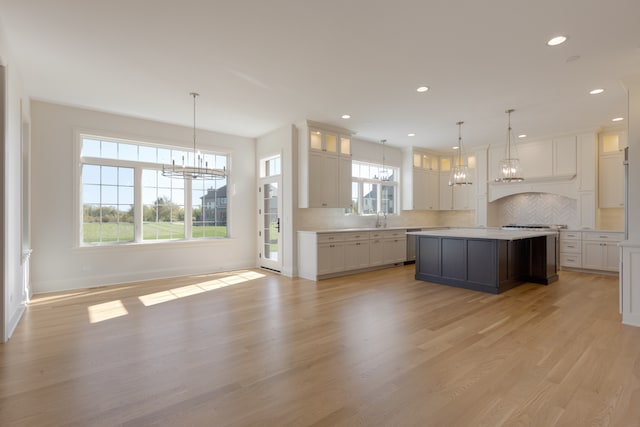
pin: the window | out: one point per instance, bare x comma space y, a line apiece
125, 198
374, 189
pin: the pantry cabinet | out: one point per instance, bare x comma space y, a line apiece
324, 177
420, 181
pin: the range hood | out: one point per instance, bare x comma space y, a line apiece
566, 186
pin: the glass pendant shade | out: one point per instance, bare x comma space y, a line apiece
460, 174
509, 168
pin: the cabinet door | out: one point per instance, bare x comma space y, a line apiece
356, 255
323, 180
432, 181
592, 255
376, 253
420, 199
611, 256
536, 159
394, 250
330, 258
461, 197
611, 181
344, 182
564, 156
446, 192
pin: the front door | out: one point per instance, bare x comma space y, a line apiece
270, 250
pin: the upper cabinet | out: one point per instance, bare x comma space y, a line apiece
611, 169
545, 159
324, 170
420, 180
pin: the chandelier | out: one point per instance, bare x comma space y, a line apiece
384, 173
510, 170
200, 167
460, 174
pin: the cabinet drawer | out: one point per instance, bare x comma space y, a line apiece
389, 234
355, 235
570, 246
330, 237
570, 235
606, 236
571, 260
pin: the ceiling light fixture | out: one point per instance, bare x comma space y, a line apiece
411, 134
510, 170
617, 119
346, 116
558, 40
522, 136
200, 168
384, 173
596, 91
422, 89
460, 174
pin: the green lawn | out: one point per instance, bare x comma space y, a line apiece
112, 232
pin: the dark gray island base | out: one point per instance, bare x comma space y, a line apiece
486, 260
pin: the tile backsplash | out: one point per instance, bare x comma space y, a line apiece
538, 208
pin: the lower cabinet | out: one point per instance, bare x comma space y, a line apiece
332, 254
592, 250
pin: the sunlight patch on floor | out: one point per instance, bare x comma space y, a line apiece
198, 288
106, 311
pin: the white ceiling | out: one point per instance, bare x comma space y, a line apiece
259, 64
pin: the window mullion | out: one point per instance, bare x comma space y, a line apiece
188, 217
137, 205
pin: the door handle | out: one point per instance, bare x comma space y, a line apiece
278, 225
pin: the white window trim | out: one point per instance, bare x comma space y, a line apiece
138, 166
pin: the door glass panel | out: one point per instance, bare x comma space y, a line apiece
271, 231
345, 146
331, 143
315, 140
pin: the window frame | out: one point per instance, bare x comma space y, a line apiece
360, 181
138, 166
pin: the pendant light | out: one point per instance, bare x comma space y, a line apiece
200, 168
384, 173
510, 170
460, 174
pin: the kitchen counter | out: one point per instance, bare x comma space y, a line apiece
356, 229
484, 233
488, 260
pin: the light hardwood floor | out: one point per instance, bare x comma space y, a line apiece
375, 349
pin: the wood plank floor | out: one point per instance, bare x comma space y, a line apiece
252, 348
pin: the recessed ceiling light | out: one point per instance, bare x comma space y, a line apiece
596, 91
455, 147
522, 136
557, 40
346, 116
617, 119
422, 89
411, 134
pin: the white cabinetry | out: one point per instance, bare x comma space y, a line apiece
564, 156
587, 168
600, 250
571, 249
420, 182
356, 250
324, 176
611, 169
331, 254
592, 250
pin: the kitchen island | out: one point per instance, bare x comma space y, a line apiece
488, 260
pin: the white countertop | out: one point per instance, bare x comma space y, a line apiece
484, 233
346, 230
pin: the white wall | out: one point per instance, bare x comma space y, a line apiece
14, 293
59, 263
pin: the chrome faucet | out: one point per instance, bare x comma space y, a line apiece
381, 220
